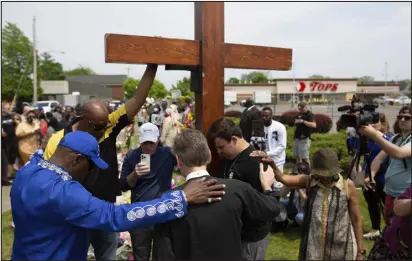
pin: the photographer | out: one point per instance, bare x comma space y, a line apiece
305, 121
373, 195
398, 149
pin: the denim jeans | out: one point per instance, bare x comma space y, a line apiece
299, 218
104, 244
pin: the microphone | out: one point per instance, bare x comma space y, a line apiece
344, 108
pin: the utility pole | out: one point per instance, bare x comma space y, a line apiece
34, 62
128, 71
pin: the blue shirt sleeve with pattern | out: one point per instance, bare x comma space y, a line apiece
77, 206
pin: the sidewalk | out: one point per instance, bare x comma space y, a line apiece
5, 198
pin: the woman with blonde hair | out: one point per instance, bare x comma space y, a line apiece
171, 127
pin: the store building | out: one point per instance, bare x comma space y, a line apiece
103, 87
338, 90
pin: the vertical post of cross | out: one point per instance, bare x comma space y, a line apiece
208, 80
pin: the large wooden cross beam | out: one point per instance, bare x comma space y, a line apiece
206, 57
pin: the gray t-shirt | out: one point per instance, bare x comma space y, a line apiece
397, 178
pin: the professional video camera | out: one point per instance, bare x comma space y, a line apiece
358, 114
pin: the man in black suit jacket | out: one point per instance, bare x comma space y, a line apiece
212, 231
250, 114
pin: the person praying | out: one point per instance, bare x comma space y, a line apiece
332, 226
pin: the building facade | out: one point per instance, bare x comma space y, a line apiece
326, 90
102, 87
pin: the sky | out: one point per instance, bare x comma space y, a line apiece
339, 40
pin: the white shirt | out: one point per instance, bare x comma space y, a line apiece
276, 138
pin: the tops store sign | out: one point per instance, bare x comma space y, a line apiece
316, 86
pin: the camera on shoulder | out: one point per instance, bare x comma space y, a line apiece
358, 114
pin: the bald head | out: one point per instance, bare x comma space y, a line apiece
95, 111
249, 102
94, 118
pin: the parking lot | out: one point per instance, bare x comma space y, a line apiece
330, 110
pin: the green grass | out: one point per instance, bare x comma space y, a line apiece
282, 246
6, 235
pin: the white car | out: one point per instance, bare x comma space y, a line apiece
383, 99
403, 100
48, 106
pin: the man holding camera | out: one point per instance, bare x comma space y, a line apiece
304, 122
398, 150
147, 178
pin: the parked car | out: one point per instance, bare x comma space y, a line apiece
403, 100
384, 99
48, 106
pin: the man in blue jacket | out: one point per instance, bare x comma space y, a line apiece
52, 210
147, 182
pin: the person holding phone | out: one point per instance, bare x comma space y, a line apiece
147, 172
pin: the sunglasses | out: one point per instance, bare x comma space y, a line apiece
406, 117
99, 128
325, 179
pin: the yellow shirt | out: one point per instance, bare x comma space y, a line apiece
114, 118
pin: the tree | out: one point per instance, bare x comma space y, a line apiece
158, 90
405, 85
233, 80
17, 64
80, 71
318, 76
365, 79
129, 86
255, 77
50, 69
184, 87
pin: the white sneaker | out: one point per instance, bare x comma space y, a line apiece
372, 234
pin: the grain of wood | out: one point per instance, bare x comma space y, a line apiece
257, 57
144, 49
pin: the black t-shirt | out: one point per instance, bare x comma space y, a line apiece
246, 169
104, 183
302, 131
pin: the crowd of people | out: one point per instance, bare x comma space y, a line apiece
68, 190
26, 129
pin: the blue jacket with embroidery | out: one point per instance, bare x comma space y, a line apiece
52, 213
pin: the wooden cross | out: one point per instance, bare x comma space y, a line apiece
206, 57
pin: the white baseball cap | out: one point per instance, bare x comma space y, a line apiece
148, 132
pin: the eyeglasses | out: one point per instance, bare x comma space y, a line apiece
406, 117
99, 128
